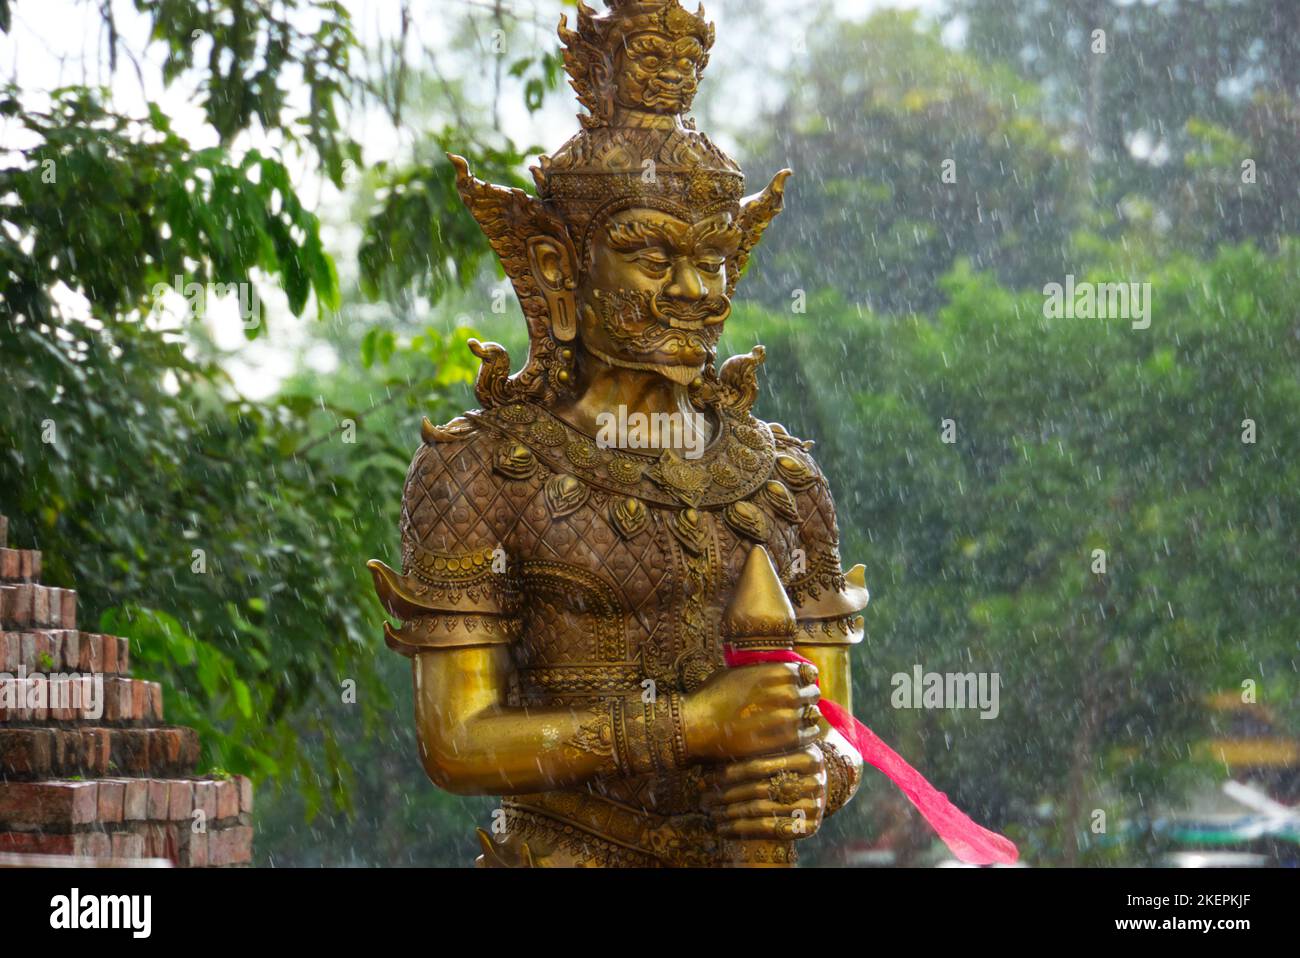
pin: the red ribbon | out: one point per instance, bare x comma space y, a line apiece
968, 841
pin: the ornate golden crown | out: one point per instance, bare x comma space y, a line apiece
636, 70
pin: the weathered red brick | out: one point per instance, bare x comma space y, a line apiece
197, 849
68, 613
158, 804
40, 651
180, 800
36, 843
227, 799
131, 750
231, 846
24, 604
205, 799
10, 651
137, 800
40, 605
55, 639
49, 803
245, 794
72, 650
92, 652
117, 699
112, 798
10, 565
178, 834
26, 751
155, 841
128, 845
139, 699
189, 747
9, 605
66, 755
40, 686
99, 749
108, 653
123, 655
94, 845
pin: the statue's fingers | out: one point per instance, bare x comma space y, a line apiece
752, 828
763, 768
776, 827
767, 808
747, 791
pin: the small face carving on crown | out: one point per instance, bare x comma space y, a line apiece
657, 73
654, 294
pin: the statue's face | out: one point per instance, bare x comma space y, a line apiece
654, 293
657, 73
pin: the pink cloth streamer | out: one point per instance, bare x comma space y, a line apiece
969, 842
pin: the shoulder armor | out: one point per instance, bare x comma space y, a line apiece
785, 440
422, 591
833, 617
458, 428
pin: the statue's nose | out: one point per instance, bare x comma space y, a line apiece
685, 283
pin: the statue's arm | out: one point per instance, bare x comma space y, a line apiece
458, 631
828, 604
472, 743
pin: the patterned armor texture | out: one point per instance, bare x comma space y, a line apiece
606, 572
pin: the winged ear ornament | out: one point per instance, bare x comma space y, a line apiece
756, 212
510, 218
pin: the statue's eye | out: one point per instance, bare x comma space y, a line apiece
653, 261
710, 265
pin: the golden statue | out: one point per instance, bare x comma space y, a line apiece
581, 555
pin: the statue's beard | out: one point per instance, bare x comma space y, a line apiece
645, 329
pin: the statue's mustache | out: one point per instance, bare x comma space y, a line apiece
703, 312
645, 322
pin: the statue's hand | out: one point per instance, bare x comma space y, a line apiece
753, 710
774, 797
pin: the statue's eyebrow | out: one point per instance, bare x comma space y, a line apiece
648, 43
688, 47
634, 235
717, 234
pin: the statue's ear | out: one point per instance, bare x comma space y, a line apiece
554, 267
533, 246
755, 213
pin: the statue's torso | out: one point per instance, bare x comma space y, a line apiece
622, 562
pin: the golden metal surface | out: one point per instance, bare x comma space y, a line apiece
564, 598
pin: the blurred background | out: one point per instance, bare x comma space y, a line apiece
952, 158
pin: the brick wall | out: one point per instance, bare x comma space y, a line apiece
105, 780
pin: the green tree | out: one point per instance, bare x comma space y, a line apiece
1072, 435
906, 155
